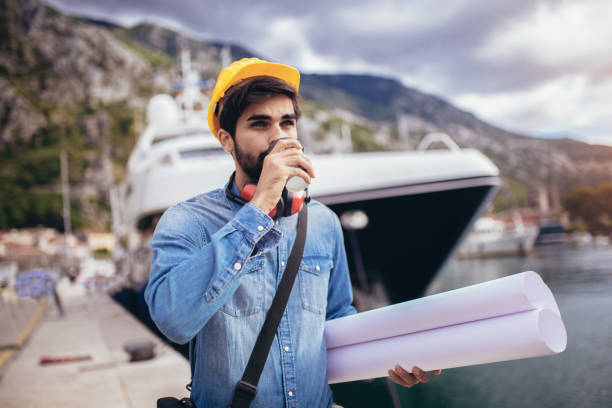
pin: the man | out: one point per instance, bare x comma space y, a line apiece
217, 261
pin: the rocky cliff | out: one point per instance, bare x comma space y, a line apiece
67, 84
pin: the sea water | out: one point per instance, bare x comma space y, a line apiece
581, 376
581, 281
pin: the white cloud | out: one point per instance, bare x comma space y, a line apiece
396, 17
567, 104
542, 65
285, 36
599, 140
565, 33
289, 37
567, 44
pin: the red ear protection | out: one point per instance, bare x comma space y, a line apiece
289, 203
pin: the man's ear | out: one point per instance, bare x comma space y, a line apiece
227, 142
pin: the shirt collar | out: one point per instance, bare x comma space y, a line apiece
234, 189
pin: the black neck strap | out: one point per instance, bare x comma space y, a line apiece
246, 389
230, 194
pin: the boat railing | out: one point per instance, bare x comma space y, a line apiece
443, 138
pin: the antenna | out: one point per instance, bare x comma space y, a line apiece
226, 56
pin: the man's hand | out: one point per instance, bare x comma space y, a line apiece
406, 379
284, 161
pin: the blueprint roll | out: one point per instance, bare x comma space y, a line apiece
511, 294
533, 333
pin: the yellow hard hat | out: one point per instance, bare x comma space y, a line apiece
247, 68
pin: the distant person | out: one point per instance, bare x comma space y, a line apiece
217, 259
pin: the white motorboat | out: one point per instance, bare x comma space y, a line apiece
491, 237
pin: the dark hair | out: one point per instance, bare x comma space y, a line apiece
239, 97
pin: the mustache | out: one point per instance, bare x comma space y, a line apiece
266, 152
254, 170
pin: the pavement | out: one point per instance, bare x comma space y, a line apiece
93, 327
16, 315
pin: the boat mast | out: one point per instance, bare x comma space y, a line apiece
66, 203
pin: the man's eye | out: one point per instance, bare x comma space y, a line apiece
289, 122
258, 123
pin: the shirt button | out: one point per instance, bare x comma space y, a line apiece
259, 228
276, 222
286, 348
317, 268
290, 394
237, 266
282, 263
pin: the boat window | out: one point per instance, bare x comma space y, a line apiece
199, 153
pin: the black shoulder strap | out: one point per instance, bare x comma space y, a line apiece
246, 389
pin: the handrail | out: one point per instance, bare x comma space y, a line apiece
438, 137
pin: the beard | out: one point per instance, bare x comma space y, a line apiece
253, 165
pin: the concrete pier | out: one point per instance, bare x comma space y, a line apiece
93, 326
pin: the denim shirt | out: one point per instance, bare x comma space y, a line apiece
216, 266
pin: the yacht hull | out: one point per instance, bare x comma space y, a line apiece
410, 236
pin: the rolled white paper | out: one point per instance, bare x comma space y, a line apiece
514, 336
511, 294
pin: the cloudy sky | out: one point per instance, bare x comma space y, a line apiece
539, 67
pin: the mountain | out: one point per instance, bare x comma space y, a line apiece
81, 85
525, 159
67, 84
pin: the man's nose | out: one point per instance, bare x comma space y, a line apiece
277, 132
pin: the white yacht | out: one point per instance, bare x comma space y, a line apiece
403, 212
491, 238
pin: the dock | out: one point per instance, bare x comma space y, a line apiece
78, 359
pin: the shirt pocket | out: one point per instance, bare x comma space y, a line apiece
248, 299
314, 280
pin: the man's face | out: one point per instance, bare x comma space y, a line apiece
259, 127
